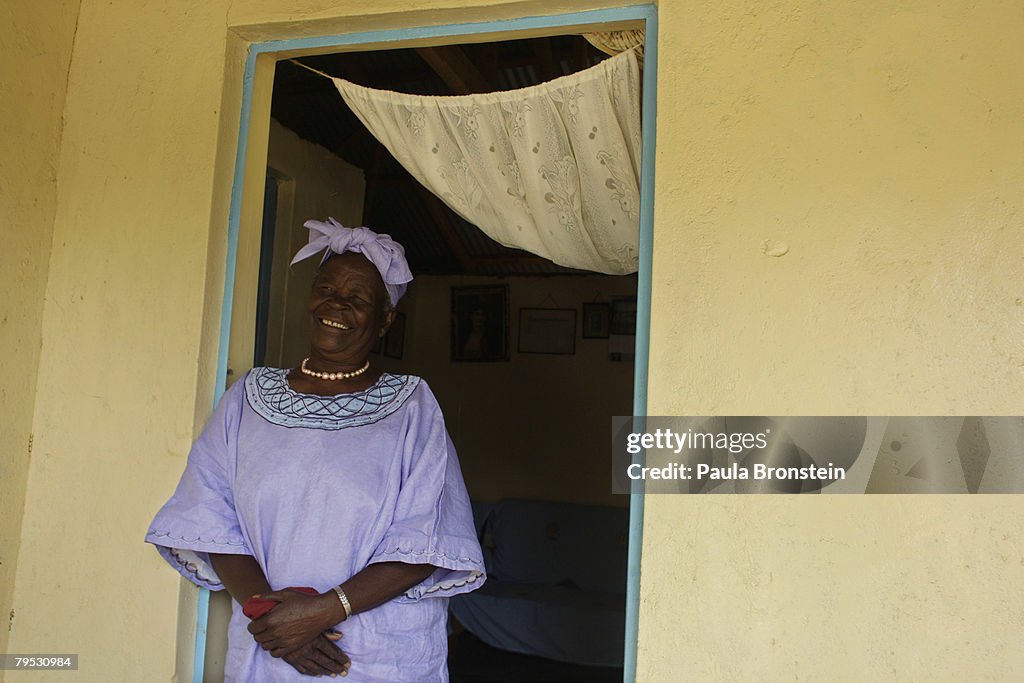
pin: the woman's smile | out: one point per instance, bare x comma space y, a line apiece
334, 323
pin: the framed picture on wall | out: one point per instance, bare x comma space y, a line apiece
479, 324
547, 330
596, 319
394, 340
623, 315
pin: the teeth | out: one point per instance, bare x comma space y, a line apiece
331, 323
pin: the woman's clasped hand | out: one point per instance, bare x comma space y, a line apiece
297, 628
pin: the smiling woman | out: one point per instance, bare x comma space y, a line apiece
349, 310
328, 497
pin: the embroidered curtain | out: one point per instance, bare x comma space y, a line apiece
552, 169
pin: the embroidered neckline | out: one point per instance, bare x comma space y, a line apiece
269, 394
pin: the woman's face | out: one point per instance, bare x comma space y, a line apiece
348, 310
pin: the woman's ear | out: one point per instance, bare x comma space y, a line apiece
389, 318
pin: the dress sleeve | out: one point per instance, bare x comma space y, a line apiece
433, 520
200, 517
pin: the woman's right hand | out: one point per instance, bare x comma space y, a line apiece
320, 657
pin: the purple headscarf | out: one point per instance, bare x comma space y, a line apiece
382, 251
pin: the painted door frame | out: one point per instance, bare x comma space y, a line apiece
257, 55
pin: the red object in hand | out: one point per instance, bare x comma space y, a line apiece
254, 608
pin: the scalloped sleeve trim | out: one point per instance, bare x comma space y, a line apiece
189, 556
460, 567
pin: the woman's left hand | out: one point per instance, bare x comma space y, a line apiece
295, 621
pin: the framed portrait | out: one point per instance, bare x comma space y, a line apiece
623, 317
547, 330
596, 320
394, 340
479, 324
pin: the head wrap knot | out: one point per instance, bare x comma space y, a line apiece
382, 251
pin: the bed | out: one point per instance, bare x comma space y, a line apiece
556, 582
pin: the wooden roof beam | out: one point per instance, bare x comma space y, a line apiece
442, 219
455, 69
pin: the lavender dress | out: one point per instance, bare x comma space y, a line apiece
316, 488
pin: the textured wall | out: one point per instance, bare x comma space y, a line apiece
35, 51
116, 393
883, 145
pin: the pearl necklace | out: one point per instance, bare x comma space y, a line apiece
333, 375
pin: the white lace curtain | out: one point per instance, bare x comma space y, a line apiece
552, 169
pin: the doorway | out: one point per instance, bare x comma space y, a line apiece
449, 274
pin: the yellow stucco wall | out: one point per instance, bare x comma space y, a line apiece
35, 50
883, 145
117, 386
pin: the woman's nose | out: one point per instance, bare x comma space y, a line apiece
338, 301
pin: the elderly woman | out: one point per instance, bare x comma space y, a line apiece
327, 499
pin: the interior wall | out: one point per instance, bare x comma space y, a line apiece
34, 84
537, 426
882, 144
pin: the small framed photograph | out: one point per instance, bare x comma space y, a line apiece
547, 330
623, 315
394, 340
596, 318
479, 324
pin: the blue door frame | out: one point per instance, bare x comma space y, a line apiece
645, 13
